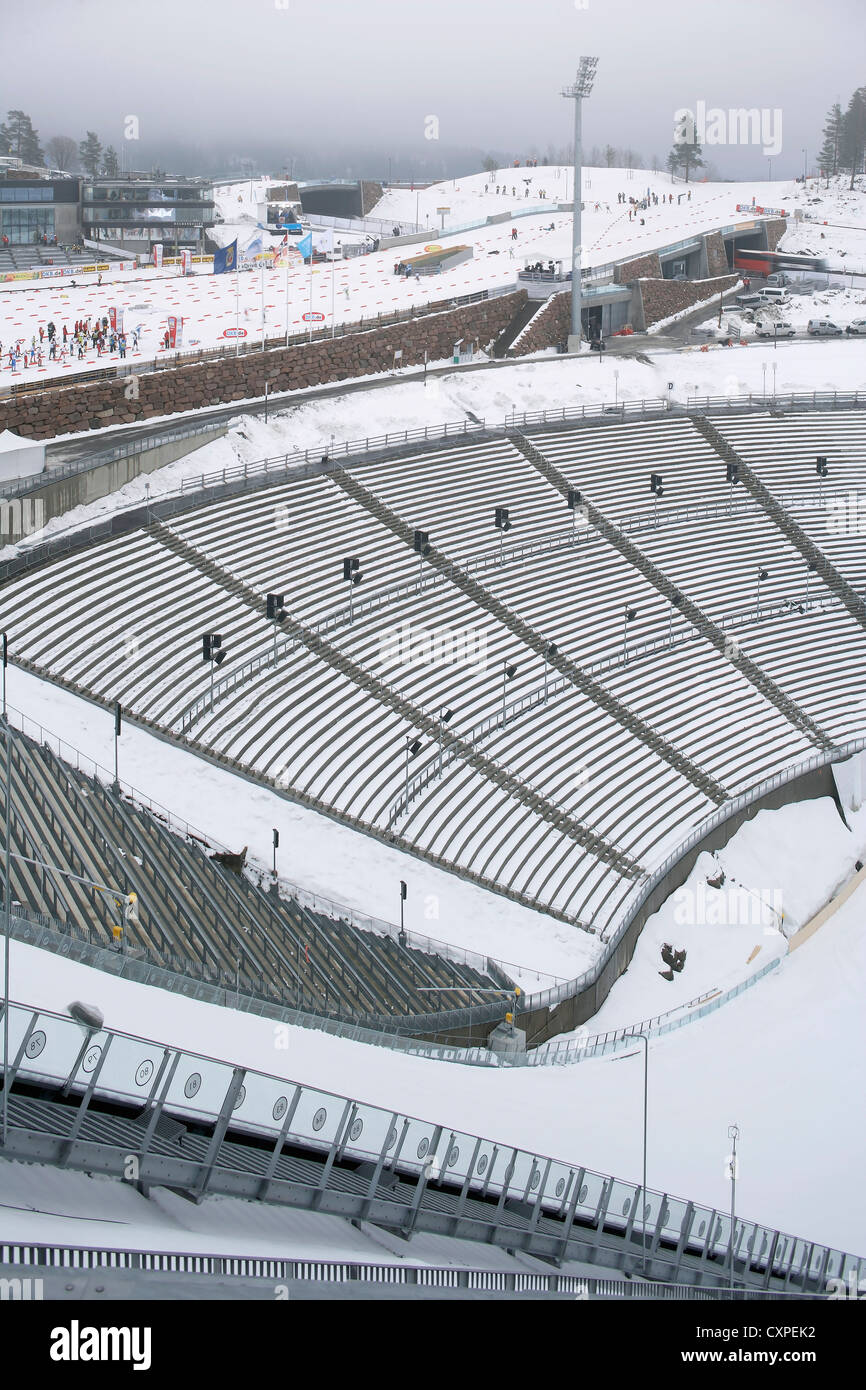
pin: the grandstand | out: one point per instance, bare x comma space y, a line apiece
81, 848
624, 671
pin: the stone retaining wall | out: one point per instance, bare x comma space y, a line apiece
126, 400
638, 269
550, 326
662, 298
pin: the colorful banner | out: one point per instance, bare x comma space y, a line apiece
175, 331
112, 318
186, 262
157, 255
118, 320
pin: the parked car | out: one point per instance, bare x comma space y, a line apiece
823, 328
857, 328
747, 300
779, 277
774, 328
774, 294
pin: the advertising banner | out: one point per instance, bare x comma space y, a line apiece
175, 331
157, 255
186, 262
112, 318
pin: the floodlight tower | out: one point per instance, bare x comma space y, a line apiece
580, 88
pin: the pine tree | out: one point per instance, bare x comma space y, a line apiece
609, 155
18, 138
831, 149
110, 162
90, 153
852, 152
686, 153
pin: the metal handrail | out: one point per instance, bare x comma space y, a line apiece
439, 1155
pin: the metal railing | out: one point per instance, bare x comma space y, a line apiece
117, 1260
620, 1221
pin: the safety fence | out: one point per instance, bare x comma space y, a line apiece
75, 1259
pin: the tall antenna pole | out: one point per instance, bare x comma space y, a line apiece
580, 88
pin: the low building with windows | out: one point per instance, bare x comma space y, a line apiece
138, 210
37, 204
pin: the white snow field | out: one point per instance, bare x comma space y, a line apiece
366, 286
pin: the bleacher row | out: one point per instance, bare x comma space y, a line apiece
331, 718
32, 257
195, 916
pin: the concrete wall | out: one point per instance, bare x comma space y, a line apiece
92, 483
543, 1024
79, 408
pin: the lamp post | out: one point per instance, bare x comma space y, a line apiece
645, 1040
211, 645
733, 477
352, 575
118, 720
822, 471
577, 92
509, 670
445, 717
657, 491
421, 545
550, 650
502, 524
413, 748
574, 501
403, 891
733, 1135
275, 613
762, 574
629, 616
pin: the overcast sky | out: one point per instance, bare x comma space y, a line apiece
242, 72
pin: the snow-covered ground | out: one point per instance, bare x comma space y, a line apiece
366, 286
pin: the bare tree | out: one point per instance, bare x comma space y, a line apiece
61, 152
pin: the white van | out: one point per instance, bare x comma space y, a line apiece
823, 328
774, 294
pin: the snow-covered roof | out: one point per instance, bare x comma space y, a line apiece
10, 441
